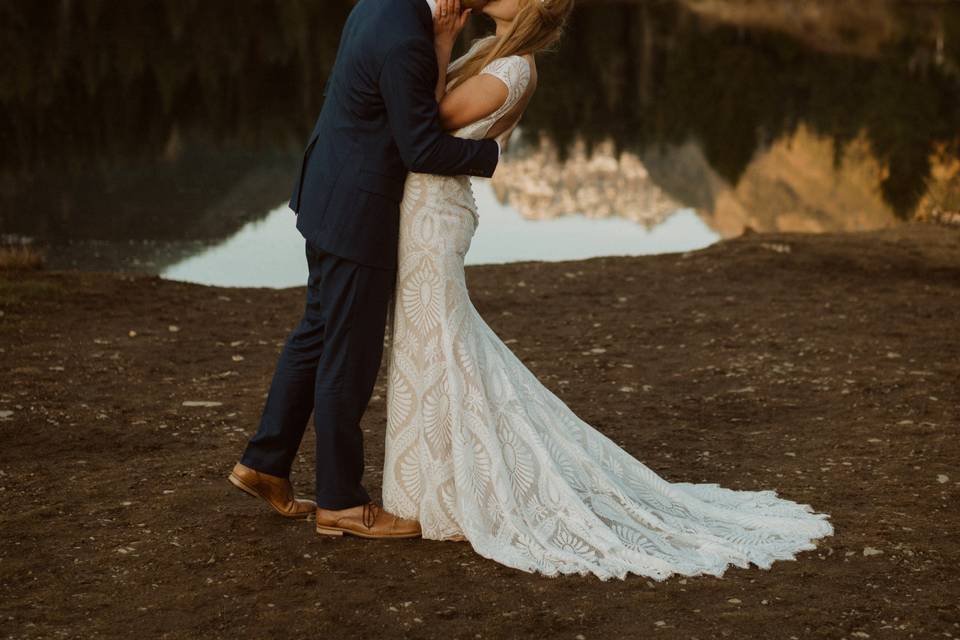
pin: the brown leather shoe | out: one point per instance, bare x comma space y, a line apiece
367, 521
277, 491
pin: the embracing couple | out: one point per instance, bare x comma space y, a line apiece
477, 449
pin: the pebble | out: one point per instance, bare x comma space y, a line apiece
173, 328
870, 551
942, 478
5, 414
201, 403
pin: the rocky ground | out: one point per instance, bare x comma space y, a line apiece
826, 367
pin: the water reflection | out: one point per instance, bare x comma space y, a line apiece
270, 252
137, 136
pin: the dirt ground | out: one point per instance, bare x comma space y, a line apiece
826, 367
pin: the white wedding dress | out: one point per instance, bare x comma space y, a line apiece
478, 448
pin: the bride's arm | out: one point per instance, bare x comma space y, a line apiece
448, 21
475, 98
443, 59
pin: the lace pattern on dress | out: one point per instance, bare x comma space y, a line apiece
477, 446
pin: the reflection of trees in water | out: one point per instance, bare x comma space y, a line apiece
118, 79
101, 99
143, 119
651, 73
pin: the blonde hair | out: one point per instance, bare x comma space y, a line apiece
537, 26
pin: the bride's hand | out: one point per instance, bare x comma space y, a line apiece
448, 21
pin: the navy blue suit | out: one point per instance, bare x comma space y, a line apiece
380, 120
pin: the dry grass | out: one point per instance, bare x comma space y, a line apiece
21, 258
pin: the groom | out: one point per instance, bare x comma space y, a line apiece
379, 121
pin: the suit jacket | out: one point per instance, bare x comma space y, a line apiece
380, 120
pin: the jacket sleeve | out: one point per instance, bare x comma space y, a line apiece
407, 84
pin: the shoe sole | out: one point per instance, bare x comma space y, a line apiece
330, 531
240, 484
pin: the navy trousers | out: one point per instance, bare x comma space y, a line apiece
328, 366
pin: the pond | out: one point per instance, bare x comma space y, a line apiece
160, 137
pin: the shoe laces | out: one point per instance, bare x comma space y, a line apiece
370, 511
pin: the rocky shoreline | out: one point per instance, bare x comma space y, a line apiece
826, 367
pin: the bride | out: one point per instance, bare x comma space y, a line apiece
477, 449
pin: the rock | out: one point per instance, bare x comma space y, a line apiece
237, 357
132, 333
870, 551
201, 403
942, 478
173, 328
5, 414
775, 246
